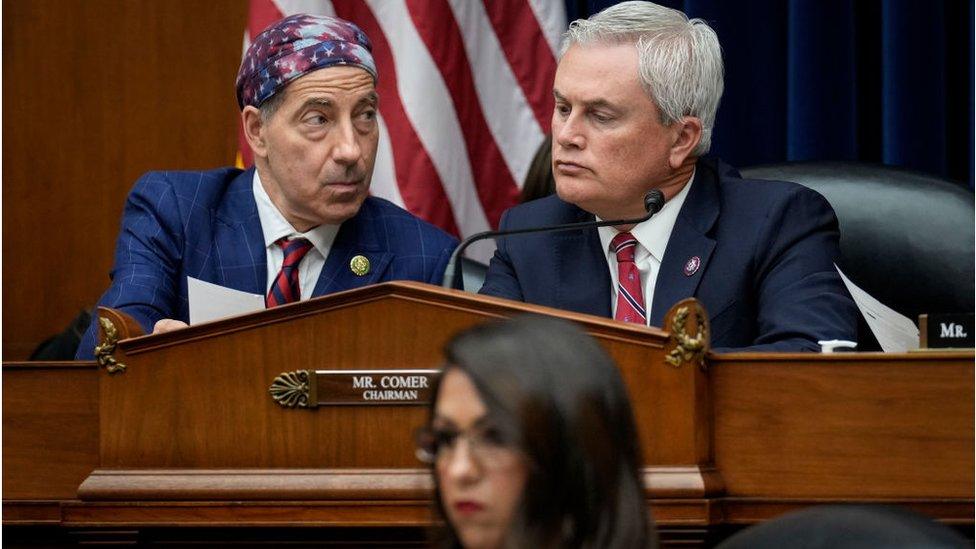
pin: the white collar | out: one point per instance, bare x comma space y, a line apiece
275, 226
654, 233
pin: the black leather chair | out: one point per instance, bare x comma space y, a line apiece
848, 527
906, 238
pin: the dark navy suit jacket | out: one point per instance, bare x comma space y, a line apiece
767, 252
206, 225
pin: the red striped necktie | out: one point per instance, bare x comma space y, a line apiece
285, 287
630, 295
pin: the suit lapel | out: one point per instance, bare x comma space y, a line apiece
357, 236
241, 261
583, 282
688, 241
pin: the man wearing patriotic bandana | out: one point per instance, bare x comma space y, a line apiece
300, 223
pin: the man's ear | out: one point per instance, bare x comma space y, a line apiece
686, 138
253, 126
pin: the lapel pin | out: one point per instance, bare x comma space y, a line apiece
359, 265
691, 267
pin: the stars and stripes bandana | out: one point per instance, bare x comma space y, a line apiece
295, 46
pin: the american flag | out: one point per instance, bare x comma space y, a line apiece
465, 92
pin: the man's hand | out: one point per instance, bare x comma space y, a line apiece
168, 325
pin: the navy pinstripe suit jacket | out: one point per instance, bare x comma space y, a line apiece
206, 225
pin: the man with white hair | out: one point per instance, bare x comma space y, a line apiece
636, 92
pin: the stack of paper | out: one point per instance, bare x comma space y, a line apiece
895, 333
210, 301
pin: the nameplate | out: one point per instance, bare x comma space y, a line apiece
313, 388
942, 331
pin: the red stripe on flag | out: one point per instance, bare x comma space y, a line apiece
528, 53
439, 30
261, 13
420, 186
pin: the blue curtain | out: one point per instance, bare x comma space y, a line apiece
887, 81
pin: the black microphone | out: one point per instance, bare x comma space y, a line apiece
653, 202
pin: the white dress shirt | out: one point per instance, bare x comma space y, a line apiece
275, 226
652, 240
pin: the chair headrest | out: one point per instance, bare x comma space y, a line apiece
906, 238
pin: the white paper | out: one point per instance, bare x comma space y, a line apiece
896, 333
210, 301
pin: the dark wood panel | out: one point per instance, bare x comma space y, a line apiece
277, 513
753, 510
849, 426
28, 512
189, 435
236, 424
292, 537
50, 430
95, 93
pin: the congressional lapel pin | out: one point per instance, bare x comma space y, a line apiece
359, 265
691, 267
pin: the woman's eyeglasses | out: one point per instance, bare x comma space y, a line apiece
439, 444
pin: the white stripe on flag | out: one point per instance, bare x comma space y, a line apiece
428, 105
312, 7
509, 116
551, 15
384, 182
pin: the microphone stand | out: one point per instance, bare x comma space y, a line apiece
653, 202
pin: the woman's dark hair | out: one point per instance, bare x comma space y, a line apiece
558, 393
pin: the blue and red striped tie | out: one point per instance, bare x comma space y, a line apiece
285, 287
630, 295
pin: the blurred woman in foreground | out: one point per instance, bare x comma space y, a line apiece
532, 441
